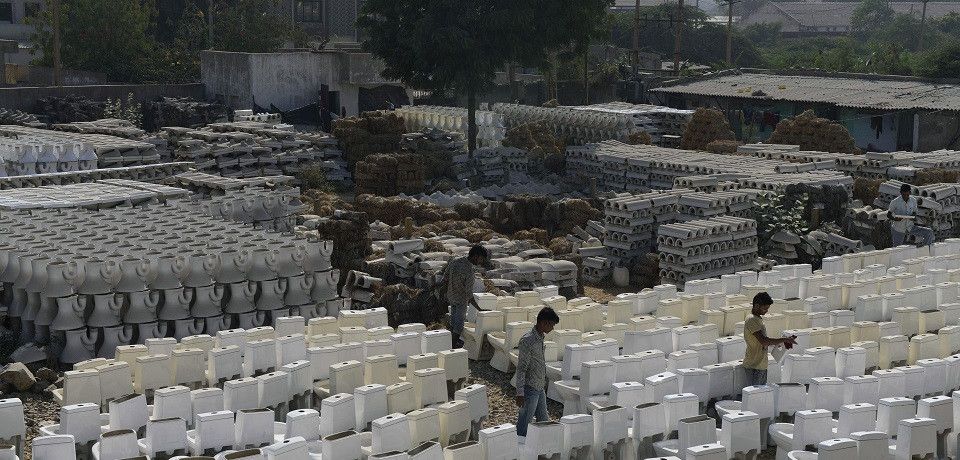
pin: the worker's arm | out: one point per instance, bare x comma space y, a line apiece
768, 342
523, 362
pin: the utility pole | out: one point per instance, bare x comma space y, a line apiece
676, 40
923, 20
636, 37
57, 64
210, 24
730, 31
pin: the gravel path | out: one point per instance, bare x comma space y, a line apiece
37, 409
501, 395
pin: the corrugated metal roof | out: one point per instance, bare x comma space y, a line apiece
864, 92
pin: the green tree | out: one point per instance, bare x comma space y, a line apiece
252, 26
100, 36
870, 16
452, 45
940, 62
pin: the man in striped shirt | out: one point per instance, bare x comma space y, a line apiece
531, 376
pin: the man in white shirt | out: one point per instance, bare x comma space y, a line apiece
903, 210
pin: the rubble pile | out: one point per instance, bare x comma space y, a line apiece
490, 126
437, 147
723, 147
813, 133
569, 124
522, 212
704, 127
183, 111
252, 149
367, 134
69, 109
706, 248
390, 174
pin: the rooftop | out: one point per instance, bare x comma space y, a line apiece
863, 91
839, 14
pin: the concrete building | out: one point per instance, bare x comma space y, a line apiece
13, 26
337, 80
812, 17
883, 113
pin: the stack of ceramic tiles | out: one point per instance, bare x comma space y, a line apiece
248, 115
251, 149
631, 222
488, 166
209, 184
698, 205
706, 248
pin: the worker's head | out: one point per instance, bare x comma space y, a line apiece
761, 303
905, 191
546, 320
479, 256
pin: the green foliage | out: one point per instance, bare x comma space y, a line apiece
100, 36
775, 213
702, 43
119, 37
871, 16
457, 46
129, 110
944, 60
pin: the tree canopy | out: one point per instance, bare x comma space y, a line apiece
122, 38
452, 45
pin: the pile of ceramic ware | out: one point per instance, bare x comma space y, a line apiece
146, 173
107, 151
492, 165
102, 194
84, 276
490, 126
655, 120
577, 126
252, 149
706, 248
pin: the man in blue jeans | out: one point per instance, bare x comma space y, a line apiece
531, 377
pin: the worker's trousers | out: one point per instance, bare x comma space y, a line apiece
923, 234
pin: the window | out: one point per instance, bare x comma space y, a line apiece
309, 10
31, 9
6, 12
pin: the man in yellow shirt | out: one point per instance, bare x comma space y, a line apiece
755, 334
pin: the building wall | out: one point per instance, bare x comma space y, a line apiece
226, 77
939, 130
289, 80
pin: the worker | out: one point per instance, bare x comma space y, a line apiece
903, 211
531, 376
755, 334
460, 276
